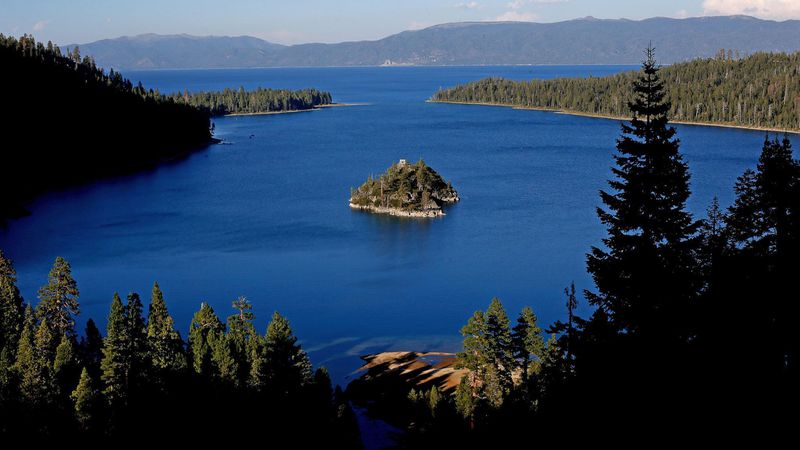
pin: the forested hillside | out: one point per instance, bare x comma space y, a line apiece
140, 375
64, 120
259, 100
761, 91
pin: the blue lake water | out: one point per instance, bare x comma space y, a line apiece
266, 214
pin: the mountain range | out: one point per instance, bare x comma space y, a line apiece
579, 41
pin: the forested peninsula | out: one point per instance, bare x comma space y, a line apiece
759, 91
66, 121
257, 101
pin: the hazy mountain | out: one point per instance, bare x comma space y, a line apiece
581, 41
151, 51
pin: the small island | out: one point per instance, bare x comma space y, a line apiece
406, 190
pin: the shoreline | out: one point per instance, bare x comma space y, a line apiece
603, 116
316, 108
428, 214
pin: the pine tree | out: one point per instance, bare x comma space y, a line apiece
473, 357
65, 364
91, 349
764, 224
12, 310
87, 400
498, 345
644, 276
465, 399
58, 299
527, 340
226, 366
240, 332
256, 377
116, 364
136, 344
165, 344
204, 329
287, 366
35, 363
435, 402
32, 370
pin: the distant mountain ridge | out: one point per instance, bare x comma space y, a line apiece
579, 41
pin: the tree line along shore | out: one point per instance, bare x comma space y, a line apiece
760, 91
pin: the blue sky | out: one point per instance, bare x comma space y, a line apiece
298, 21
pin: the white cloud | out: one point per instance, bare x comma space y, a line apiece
682, 14
469, 5
516, 16
40, 25
767, 9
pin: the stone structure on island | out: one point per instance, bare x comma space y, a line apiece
405, 190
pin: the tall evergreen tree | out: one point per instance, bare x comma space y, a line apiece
165, 343
203, 331
498, 345
136, 345
12, 311
226, 365
65, 365
473, 357
287, 366
35, 363
87, 400
91, 349
764, 224
58, 299
644, 275
116, 363
526, 338
32, 371
240, 332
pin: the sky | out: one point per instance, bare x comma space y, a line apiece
300, 21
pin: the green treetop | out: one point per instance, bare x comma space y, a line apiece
203, 331
87, 400
58, 299
527, 340
32, 365
116, 363
287, 366
164, 342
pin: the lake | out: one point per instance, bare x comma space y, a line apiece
265, 215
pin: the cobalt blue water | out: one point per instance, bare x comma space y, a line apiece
266, 215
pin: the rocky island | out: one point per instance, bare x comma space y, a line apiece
406, 190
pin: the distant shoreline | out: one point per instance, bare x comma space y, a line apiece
603, 116
316, 108
634, 65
